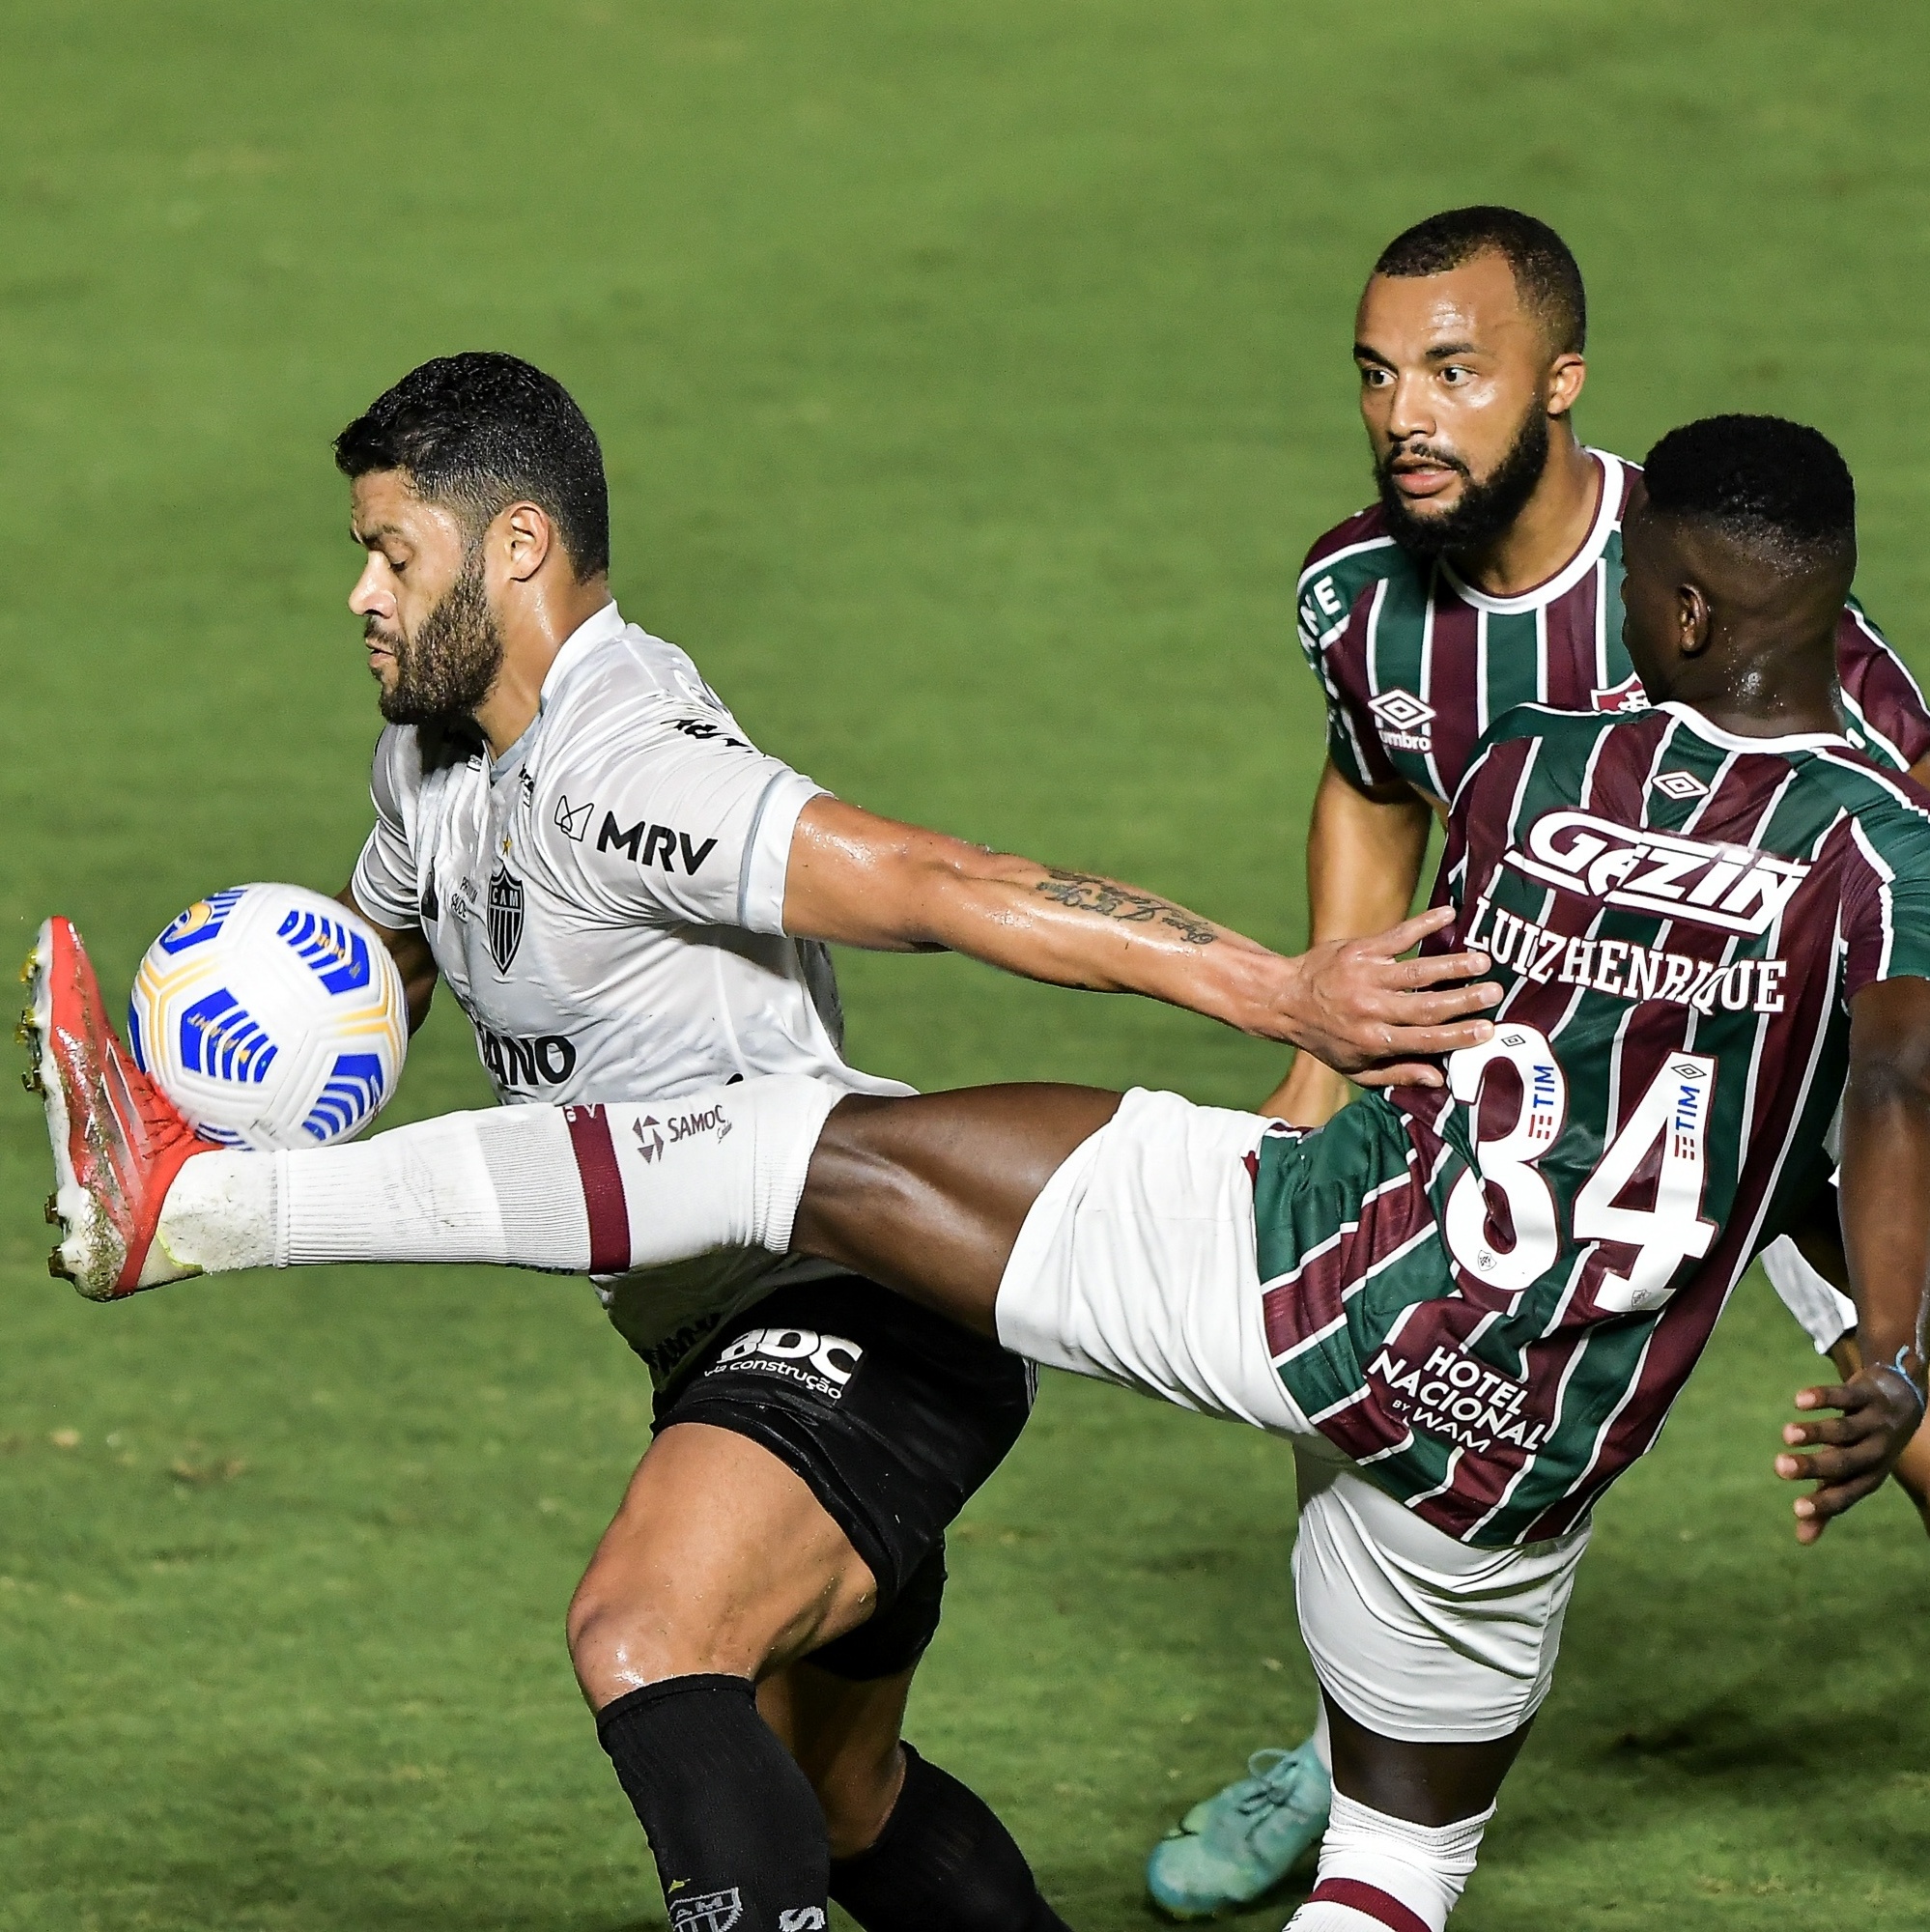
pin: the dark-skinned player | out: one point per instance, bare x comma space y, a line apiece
1486, 573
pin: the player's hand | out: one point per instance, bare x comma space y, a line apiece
1850, 1453
1368, 1012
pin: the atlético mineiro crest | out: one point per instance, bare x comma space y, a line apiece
1628, 696
505, 917
713, 1912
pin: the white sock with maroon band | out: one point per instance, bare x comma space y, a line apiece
568, 1189
1383, 1874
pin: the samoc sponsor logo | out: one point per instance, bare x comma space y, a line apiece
821, 1363
653, 1135
1732, 886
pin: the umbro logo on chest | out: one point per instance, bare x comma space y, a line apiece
1404, 722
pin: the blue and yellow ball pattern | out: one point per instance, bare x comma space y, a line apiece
272, 1016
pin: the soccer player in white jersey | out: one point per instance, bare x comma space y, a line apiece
627, 898
1469, 1311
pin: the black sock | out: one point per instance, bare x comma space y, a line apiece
736, 1827
943, 1863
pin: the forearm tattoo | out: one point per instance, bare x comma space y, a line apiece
1086, 891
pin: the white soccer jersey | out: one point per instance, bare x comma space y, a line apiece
606, 903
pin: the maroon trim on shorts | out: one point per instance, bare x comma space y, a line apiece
602, 1190
1360, 1897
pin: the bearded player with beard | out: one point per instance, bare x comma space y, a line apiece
1487, 574
627, 898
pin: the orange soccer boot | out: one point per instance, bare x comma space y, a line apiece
117, 1141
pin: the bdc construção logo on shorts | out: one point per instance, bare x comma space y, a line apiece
821, 1363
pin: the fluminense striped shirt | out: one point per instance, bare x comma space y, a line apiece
1500, 1289
1417, 664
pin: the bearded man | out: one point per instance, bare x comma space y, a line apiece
626, 897
1487, 574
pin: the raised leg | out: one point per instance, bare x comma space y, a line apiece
928, 1195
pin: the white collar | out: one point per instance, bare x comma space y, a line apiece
606, 624
1607, 513
1797, 741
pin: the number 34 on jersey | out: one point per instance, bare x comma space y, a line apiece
1512, 1253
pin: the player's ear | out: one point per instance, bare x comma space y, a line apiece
1565, 375
528, 536
1694, 622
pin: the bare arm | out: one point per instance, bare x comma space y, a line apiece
410, 949
859, 880
1886, 1213
1364, 853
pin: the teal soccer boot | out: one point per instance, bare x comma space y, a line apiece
1242, 1842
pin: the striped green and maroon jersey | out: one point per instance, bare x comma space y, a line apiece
1490, 1294
1416, 664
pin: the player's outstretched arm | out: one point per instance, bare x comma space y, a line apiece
1886, 1213
859, 880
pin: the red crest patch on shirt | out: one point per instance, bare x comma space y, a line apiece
1628, 696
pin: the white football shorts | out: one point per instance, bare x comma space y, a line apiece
1136, 1266
1826, 1312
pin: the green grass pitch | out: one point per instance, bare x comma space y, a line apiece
971, 377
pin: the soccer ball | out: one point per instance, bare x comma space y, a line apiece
273, 1018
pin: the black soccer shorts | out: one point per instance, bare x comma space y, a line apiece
892, 1414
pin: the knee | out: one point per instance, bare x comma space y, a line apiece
621, 1639
595, 1629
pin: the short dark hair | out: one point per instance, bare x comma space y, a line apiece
1767, 482
481, 431
1546, 274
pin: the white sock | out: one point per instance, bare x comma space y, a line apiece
1383, 1874
570, 1189
219, 1214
